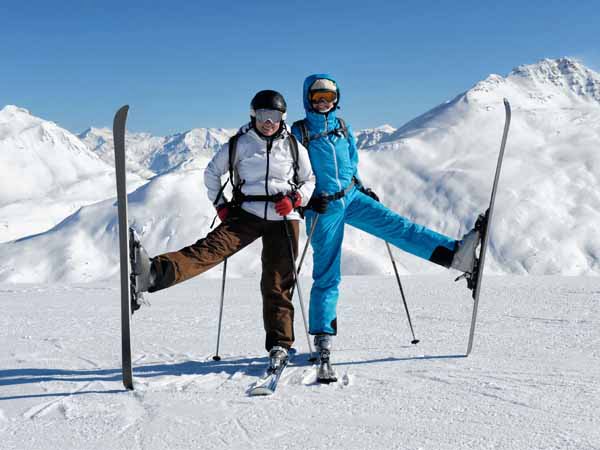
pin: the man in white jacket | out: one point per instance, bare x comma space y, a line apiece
271, 177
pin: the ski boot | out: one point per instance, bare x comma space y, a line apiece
141, 277
278, 357
465, 256
325, 373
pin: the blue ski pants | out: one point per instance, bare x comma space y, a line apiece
363, 212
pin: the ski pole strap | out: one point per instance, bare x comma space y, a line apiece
220, 193
341, 193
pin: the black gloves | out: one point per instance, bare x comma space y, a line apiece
369, 192
318, 203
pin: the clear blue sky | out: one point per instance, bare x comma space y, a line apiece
182, 65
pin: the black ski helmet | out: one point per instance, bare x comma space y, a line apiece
268, 99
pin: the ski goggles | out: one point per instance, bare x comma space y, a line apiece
269, 115
327, 96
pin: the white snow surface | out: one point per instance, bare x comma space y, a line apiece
531, 382
436, 170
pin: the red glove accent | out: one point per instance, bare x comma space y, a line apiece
285, 206
222, 212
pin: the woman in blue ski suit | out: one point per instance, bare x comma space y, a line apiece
334, 159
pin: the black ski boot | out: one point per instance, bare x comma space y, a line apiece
325, 373
278, 357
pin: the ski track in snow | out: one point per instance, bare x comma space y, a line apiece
531, 382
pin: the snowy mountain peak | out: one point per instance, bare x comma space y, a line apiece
373, 136
565, 73
562, 82
13, 109
386, 128
489, 84
94, 131
54, 157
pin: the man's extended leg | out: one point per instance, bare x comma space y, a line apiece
225, 240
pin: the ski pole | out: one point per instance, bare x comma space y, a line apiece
293, 261
415, 340
310, 235
217, 357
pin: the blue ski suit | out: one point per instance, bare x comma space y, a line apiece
334, 160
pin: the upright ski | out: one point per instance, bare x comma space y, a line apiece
124, 245
484, 224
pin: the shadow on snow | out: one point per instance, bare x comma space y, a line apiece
245, 366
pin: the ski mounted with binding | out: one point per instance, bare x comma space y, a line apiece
484, 225
267, 384
127, 290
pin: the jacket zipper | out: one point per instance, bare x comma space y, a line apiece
269, 146
337, 171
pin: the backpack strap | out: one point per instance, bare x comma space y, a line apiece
232, 155
301, 124
343, 128
295, 157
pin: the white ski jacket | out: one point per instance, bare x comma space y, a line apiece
263, 172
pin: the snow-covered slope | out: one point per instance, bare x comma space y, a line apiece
169, 212
149, 155
47, 174
548, 216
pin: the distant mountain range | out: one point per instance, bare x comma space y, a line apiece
436, 169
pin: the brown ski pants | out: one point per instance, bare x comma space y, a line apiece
228, 238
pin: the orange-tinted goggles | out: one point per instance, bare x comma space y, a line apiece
328, 96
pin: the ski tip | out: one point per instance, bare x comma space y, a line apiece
506, 103
216, 358
121, 113
260, 392
415, 341
120, 118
